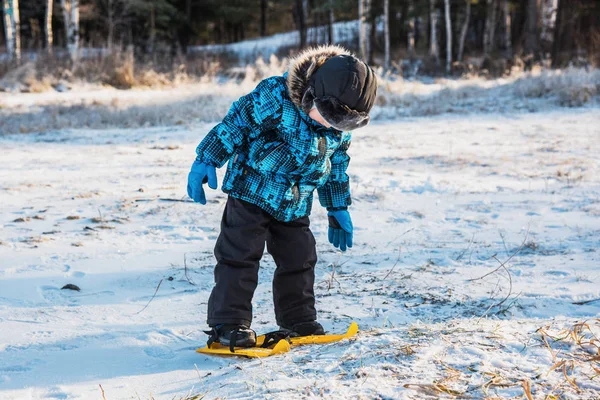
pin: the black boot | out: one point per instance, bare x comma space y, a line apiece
232, 336
306, 328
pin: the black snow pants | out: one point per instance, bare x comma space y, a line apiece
245, 228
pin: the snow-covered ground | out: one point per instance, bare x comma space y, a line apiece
439, 203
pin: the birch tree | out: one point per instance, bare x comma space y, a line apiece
464, 30
362, 30
448, 36
12, 28
433, 45
411, 29
48, 25
70, 9
386, 33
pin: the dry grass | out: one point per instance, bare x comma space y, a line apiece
202, 90
118, 69
527, 91
575, 352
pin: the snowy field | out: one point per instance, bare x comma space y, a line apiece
475, 235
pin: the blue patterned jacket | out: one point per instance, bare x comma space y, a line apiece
278, 155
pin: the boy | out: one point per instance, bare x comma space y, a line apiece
283, 140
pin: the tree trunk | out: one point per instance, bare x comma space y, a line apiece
368, 31
532, 42
411, 30
490, 28
507, 29
448, 36
433, 42
7, 7
188, 11
464, 30
362, 41
558, 28
70, 9
330, 23
48, 25
301, 21
152, 38
386, 33
110, 22
12, 28
263, 17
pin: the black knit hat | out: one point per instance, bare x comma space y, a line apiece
343, 89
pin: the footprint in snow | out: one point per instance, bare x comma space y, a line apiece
162, 352
55, 296
56, 393
556, 273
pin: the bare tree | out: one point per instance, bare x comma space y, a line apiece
115, 13
532, 33
464, 30
386, 23
490, 28
507, 28
558, 32
70, 9
263, 17
411, 29
433, 46
48, 25
300, 16
330, 23
362, 30
368, 36
12, 28
448, 36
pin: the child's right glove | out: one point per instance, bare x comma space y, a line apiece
200, 174
340, 229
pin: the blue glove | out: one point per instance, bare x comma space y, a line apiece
200, 174
340, 229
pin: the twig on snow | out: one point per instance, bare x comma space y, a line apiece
185, 269
165, 199
467, 249
509, 281
581, 303
502, 265
396, 263
104, 397
503, 242
146, 306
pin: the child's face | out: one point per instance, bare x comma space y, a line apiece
316, 115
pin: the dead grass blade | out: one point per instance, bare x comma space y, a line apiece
527, 389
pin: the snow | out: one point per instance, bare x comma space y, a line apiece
344, 32
439, 202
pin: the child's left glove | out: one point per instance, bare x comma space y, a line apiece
340, 229
200, 174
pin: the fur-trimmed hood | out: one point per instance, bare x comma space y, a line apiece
306, 87
304, 65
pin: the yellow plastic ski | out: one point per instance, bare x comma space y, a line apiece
283, 346
252, 352
315, 339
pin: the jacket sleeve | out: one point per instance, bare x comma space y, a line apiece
335, 193
252, 114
